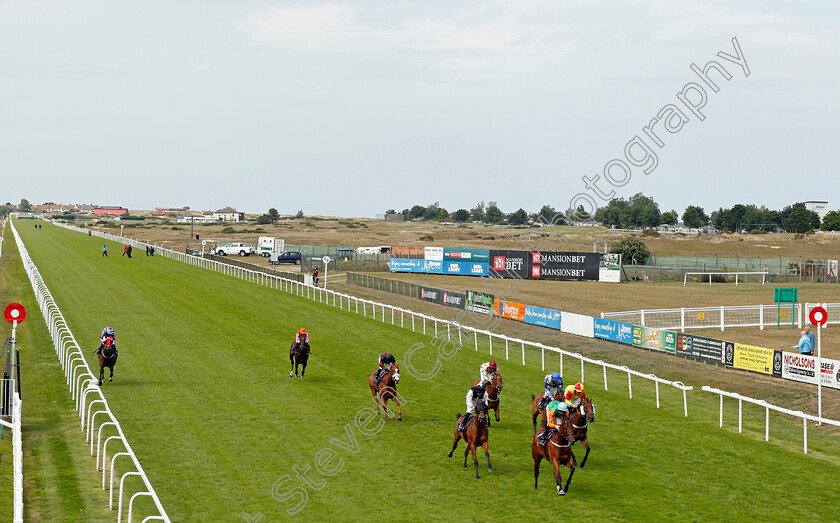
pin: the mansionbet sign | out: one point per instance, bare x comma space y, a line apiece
509, 264
565, 265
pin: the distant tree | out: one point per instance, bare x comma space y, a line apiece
796, 218
299, 215
547, 213
405, 213
390, 211
4, 210
518, 217
477, 212
461, 215
669, 217
263, 219
273, 215
694, 217
49, 203
443, 215
24, 205
431, 212
831, 221
416, 212
493, 214
631, 249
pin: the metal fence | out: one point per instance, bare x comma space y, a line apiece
404, 288
405, 318
252, 266
779, 269
721, 317
84, 386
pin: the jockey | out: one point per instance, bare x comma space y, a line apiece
488, 370
555, 381
556, 409
474, 395
107, 333
574, 394
386, 361
301, 336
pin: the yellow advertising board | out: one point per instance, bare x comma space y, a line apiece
756, 359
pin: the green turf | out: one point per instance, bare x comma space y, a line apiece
203, 394
60, 483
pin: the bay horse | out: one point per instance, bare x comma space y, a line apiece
558, 451
107, 358
494, 390
298, 355
536, 411
386, 390
475, 435
581, 417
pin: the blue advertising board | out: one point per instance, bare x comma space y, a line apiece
407, 265
465, 268
544, 317
614, 331
466, 255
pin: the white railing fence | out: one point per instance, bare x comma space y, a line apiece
721, 317
397, 315
768, 407
83, 386
14, 423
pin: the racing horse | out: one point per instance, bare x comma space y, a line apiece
386, 390
107, 358
494, 390
557, 451
475, 435
298, 355
581, 417
535, 406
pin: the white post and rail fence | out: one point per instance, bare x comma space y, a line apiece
90, 402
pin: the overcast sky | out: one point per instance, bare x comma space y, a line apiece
351, 108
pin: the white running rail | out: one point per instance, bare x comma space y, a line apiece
395, 315
84, 386
17, 447
768, 407
721, 317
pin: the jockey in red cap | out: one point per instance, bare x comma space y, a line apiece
488, 370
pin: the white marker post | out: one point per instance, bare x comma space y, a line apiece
326, 260
203, 243
818, 317
1, 246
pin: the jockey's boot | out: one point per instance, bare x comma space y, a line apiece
376, 376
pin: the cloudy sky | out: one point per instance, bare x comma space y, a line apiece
351, 108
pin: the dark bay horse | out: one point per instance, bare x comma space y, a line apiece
107, 358
386, 390
581, 417
536, 411
475, 435
298, 355
494, 390
558, 451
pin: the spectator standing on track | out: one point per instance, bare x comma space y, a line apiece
147, 250
151, 251
316, 275
125, 250
804, 345
104, 251
129, 250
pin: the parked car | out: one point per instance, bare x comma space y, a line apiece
286, 257
235, 248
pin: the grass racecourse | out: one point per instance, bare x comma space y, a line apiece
203, 394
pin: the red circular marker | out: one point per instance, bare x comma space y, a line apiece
818, 316
14, 312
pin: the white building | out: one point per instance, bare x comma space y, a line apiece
821, 208
229, 214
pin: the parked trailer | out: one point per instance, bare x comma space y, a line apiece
267, 246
